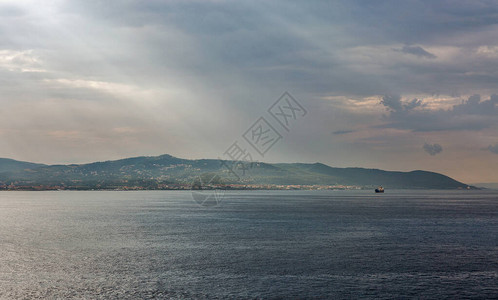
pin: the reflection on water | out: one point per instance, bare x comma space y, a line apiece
300, 244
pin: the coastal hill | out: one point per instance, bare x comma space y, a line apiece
166, 171
10, 165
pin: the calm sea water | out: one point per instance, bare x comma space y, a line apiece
258, 244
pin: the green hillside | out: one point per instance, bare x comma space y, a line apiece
161, 171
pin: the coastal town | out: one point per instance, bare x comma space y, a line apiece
19, 186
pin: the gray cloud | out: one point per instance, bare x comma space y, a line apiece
11, 11
417, 51
341, 132
432, 149
306, 45
471, 114
394, 104
493, 149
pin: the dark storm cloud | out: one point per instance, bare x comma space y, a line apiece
417, 51
432, 149
276, 44
394, 104
471, 114
307, 45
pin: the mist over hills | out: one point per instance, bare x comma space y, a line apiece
487, 185
166, 171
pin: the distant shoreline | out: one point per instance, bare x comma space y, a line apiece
231, 188
186, 188
166, 172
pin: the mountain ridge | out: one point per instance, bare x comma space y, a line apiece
166, 171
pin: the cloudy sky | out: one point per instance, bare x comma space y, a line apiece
386, 84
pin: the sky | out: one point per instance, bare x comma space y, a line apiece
395, 85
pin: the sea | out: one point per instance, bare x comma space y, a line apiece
250, 245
